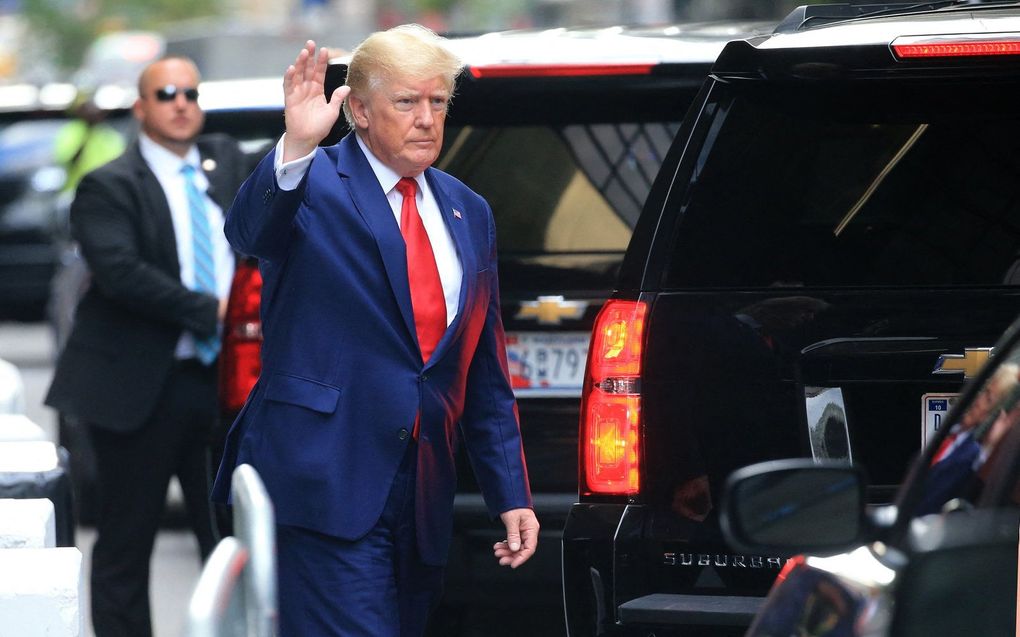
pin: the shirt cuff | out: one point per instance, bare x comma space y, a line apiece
290, 174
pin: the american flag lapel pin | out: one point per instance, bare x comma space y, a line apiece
456, 213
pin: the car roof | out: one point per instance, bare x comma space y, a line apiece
883, 30
862, 47
699, 42
692, 43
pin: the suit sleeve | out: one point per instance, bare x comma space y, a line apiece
260, 222
102, 222
490, 424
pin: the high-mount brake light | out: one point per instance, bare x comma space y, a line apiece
559, 70
611, 401
241, 353
949, 46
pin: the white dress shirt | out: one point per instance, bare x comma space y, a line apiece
451, 273
167, 168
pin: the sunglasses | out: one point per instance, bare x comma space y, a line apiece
170, 92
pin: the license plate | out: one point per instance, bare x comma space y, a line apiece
547, 363
934, 409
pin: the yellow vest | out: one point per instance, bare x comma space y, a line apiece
81, 148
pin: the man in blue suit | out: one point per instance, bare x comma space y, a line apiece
383, 349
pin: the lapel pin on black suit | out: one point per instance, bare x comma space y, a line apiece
456, 213
208, 166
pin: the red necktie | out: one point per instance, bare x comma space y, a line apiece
427, 298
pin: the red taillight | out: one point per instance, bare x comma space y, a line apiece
559, 70
240, 357
955, 46
611, 401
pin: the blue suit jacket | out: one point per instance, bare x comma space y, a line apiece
342, 379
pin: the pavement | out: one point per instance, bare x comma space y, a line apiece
175, 569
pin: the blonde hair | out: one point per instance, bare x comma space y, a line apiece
409, 51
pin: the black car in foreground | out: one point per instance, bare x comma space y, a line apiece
941, 561
829, 250
562, 132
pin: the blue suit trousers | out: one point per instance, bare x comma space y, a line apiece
376, 586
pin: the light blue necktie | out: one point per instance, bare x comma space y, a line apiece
205, 268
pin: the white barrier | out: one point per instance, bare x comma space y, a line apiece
20, 428
28, 457
12, 389
37, 469
27, 524
41, 592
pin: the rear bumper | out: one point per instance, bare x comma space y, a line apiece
609, 581
686, 610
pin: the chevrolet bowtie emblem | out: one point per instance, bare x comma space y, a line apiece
967, 363
551, 310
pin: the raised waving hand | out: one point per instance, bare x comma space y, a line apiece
307, 114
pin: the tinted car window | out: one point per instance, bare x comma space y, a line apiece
573, 188
876, 186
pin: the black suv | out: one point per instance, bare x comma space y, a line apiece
830, 248
563, 132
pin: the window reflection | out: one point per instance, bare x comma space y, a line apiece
568, 189
965, 461
862, 196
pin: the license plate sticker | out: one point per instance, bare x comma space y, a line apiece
547, 361
934, 409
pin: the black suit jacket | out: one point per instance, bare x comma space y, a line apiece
121, 348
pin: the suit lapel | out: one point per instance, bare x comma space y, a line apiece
219, 188
156, 213
370, 200
462, 241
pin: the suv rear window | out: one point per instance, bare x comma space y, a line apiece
560, 188
855, 184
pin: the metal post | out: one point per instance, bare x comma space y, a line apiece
255, 528
217, 605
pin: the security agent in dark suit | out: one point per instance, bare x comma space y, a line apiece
139, 367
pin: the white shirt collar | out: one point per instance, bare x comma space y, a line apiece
163, 161
386, 176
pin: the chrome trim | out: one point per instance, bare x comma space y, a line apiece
825, 409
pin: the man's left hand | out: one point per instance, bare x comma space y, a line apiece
521, 538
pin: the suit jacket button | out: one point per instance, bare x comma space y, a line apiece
403, 433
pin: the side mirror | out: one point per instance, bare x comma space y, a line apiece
785, 507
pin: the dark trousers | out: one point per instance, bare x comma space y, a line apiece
134, 470
376, 586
